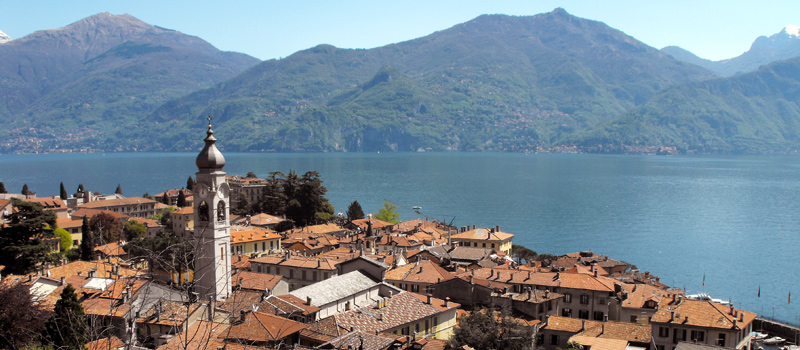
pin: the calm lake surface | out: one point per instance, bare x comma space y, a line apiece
735, 220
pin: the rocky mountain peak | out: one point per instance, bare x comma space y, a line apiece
4, 38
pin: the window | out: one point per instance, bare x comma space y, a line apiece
304, 275
484, 245
566, 312
314, 275
435, 322
324, 275
492, 245
277, 270
584, 299
255, 247
678, 335
598, 315
268, 268
553, 339
426, 326
634, 318
416, 327
541, 308
659, 347
263, 246
721, 339
291, 273
698, 336
583, 314
567, 298
415, 288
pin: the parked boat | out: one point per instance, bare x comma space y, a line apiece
759, 335
774, 341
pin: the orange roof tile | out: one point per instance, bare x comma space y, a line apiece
484, 234
110, 343
424, 271
116, 202
255, 280
262, 327
702, 313
202, 335
252, 234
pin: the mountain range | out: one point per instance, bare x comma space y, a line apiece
534, 83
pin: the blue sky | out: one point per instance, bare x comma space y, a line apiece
272, 29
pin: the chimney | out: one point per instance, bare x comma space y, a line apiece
583, 325
547, 294
471, 279
429, 300
530, 293
308, 300
124, 296
497, 228
732, 313
92, 273
447, 302
390, 294
671, 315
473, 226
686, 320
63, 280
491, 273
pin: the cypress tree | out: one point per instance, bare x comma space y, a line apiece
190, 184
63, 192
87, 241
165, 198
181, 199
3, 188
25, 190
119, 189
354, 211
67, 328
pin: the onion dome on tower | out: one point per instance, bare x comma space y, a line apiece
210, 158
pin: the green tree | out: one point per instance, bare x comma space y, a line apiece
87, 241
133, 229
522, 253
25, 190
388, 213
165, 198
181, 199
273, 200
63, 192
190, 184
66, 239
484, 329
311, 195
3, 188
21, 245
119, 189
80, 188
67, 328
251, 175
354, 211
21, 318
106, 227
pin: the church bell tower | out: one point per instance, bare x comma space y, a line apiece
212, 228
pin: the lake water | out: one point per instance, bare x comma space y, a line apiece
734, 220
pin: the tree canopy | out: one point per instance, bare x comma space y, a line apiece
87, 241
66, 239
133, 229
486, 329
63, 192
388, 213
21, 245
300, 198
67, 328
106, 227
21, 318
354, 211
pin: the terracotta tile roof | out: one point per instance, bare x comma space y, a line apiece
308, 262
289, 303
240, 261
400, 309
48, 202
639, 294
174, 193
68, 223
149, 223
360, 340
702, 313
111, 249
315, 240
548, 279
483, 234
401, 241
376, 224
424, 271
323, 228
184, 211
168, 313
630, 332
110, 343
600, 343
202, 335
536, 296
82, 268
105, 307
567, 324
251, 234
262, 327
255, 280
90, 213
323, 330
116, 202
115, 290
265, 219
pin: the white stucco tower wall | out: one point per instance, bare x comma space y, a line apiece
212, 229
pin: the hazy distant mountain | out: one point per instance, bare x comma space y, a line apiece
496, 82
764, 50
100, 74
756, 112
4, 38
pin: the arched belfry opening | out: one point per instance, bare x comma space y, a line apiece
221, 211
203, 211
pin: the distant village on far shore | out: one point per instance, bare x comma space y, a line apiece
181, 270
